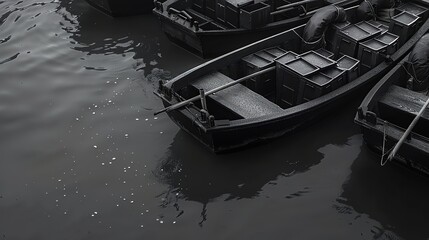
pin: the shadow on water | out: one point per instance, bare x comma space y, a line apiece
392, 195
195, 174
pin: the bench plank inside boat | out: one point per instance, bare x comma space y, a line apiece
400, 105
237, 98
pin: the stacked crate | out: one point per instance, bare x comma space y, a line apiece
404, 25
263, 84
254, 15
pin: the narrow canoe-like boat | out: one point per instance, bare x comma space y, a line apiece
284, 81
395, 109
210, 28
122, 8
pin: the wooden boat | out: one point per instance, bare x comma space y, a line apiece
214, 27
387, 111
276, 98
121, 8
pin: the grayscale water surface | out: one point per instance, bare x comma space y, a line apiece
83, 157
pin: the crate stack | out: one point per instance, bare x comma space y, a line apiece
263, 84
301, 78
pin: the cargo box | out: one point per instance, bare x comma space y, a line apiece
404, 25
350, 65
254, 15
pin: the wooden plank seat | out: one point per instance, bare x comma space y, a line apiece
400, 105
238, 98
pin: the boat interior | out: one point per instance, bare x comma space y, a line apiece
298, 72
399, 101
209, 15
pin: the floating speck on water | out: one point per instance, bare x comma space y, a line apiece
77, 119
131, 202
161, 132
141, 226
102, 163
65, 213
147, 119
113, 158
128, 78
157, 219
174, 222
110, 101
161, 221
126, 134
117, 205
155, 118
108, 82
137, 119
93, 113
95, 146
110, 162
59, 180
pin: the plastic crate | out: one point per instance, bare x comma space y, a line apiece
317, 59
331, 34
325, 53
415, 9
348, 40
315, 86
391, 40
370, 54
263, 84
291, 77
285, 58
254, 15
232, 11
350, 65
371, 29
337, 75
404, 25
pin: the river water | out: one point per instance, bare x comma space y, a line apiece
83, 157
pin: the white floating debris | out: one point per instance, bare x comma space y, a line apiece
131, 202
141, 225
77, 119
161, 221
161, 132
93, 113
146, 119
95, 146
174, 222
102, 163
137, 119
155, 118
113, 158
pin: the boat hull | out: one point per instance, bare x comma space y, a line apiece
122, 8
212, 43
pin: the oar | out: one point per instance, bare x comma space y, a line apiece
407, 132
214, 90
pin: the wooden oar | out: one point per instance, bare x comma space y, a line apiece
408, 131
214, 90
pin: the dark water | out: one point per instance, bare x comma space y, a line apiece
82, 156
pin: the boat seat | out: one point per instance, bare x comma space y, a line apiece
238, 98
400, 105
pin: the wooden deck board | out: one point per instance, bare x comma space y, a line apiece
237, 98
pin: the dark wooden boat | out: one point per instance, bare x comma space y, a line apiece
214, 27
388, 110
268, 103
122, 8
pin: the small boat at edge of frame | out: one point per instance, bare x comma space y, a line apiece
394, 108
282, 83
123, 8
211, 28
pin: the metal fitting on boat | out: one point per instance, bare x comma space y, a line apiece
211, 121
